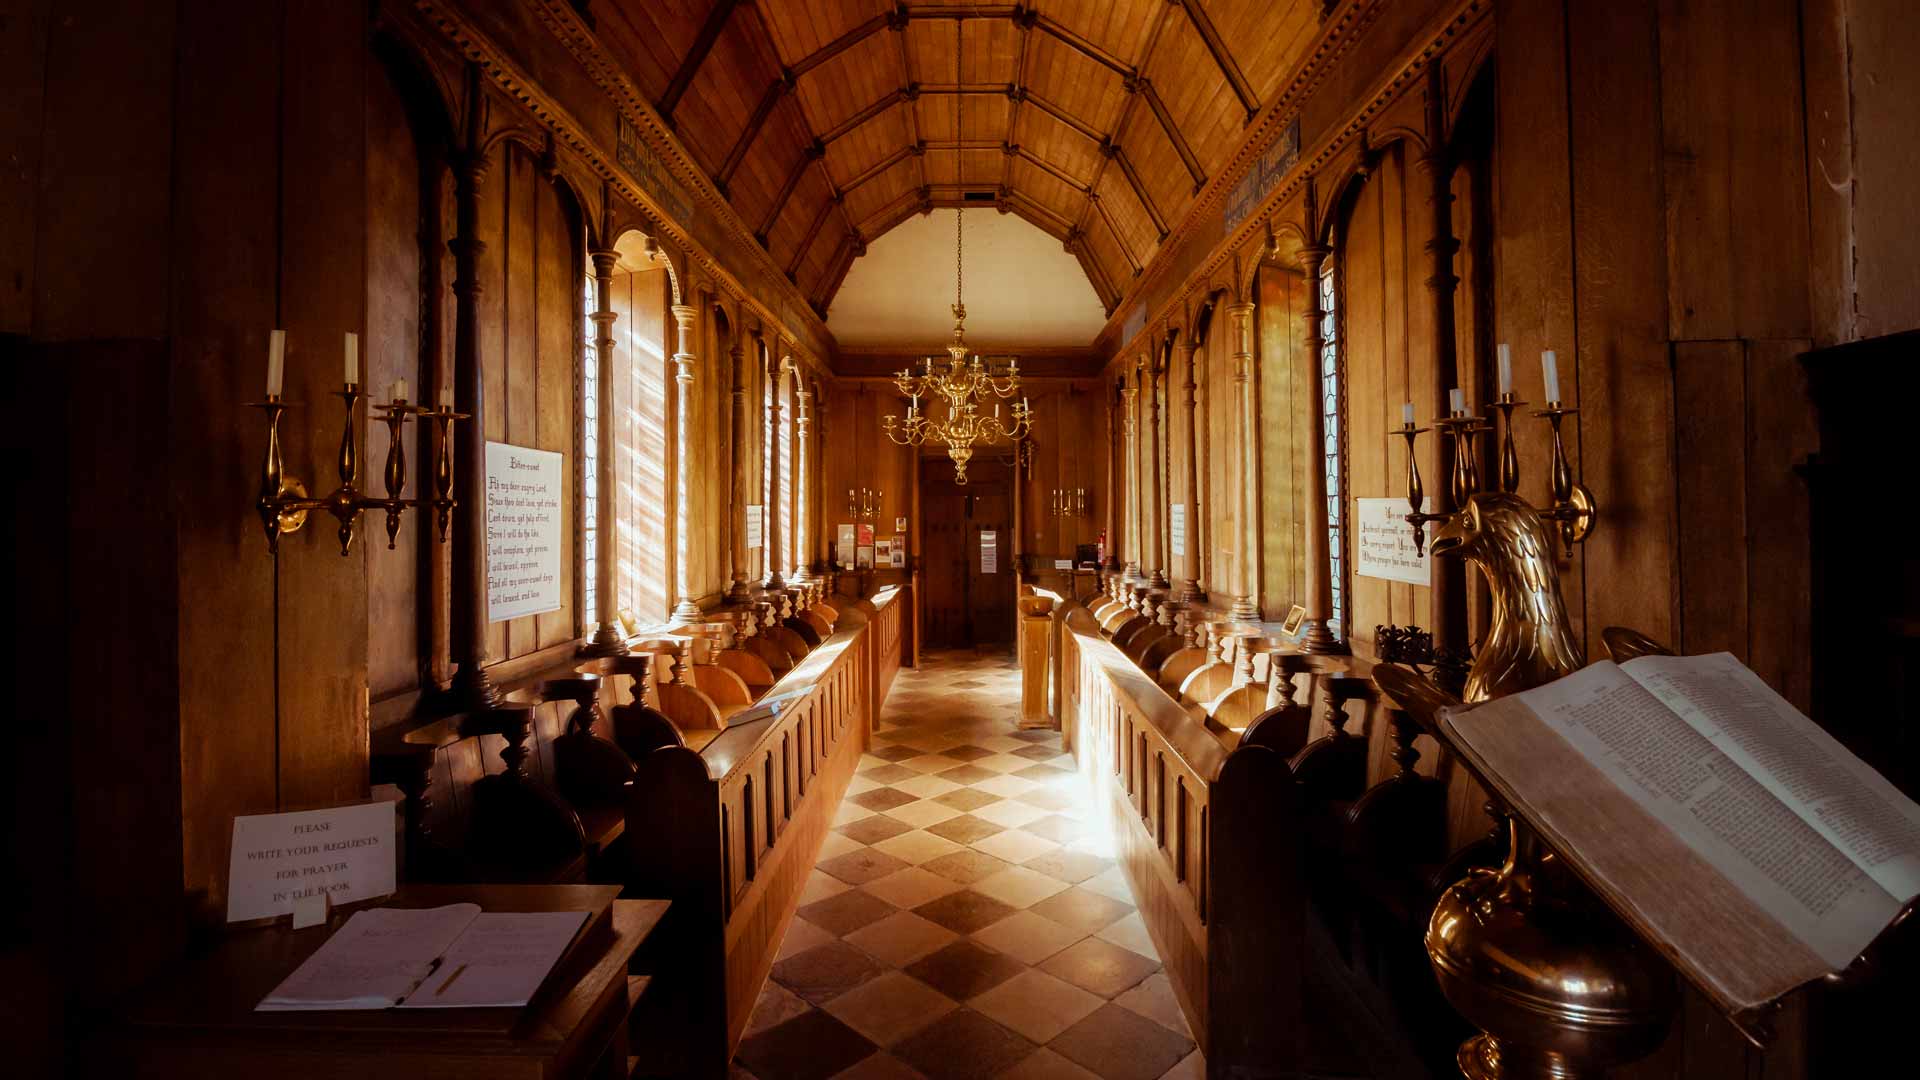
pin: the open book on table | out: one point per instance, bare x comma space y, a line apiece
1747, 844
456, 956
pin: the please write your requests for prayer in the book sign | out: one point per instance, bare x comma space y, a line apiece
344, 853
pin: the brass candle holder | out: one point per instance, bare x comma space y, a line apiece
864, 504
1068, 502
283, 501
1572, 507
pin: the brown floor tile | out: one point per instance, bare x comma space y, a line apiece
964, 829
1041, 773
969, 799
963, 1046
1121, 1045
885, 798
1100, 966
895, 752
872, 830
967, 774
965, 968
887, 774
968, 753
1072, 867
811, 1047
1037, 752
966, 867
881, 1066
962, 912
890, 1007
1038, 735
821, 974
860, 867
1082, 909
1154, 999
846, 912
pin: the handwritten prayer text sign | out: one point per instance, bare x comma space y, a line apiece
1383, 543
346, 853
524, 496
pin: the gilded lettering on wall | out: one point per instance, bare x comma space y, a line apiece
1262, 177
639, 159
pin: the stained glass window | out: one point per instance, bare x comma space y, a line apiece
590, 459
1333, 413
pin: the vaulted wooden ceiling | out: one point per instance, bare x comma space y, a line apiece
828, 122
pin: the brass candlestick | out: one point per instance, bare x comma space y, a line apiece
1509, 460
1573, 506
283, 501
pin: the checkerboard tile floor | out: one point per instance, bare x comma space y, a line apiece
966, 919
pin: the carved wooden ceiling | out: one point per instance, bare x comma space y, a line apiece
828, 122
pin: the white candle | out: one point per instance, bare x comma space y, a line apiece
1406, 414
996, 410
1504, 354
399, 391
1550, 371
276, 361
353, 358
1457, 400
446, 399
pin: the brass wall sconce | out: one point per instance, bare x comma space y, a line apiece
865, 504
1068, 502
283, 502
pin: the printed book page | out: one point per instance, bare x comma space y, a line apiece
500, 960
1836, 794
372, 962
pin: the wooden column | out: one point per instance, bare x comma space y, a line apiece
1315, 636
683, 421
1114, 495
1019, 524
1449, 596
1190, 589
1246, 602
607, 638
771, 510
1129, 397
1156, 447
467, 634
742, 424
802, 481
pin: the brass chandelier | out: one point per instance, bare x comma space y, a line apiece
963, 384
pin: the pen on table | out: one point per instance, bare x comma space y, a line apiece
450, 978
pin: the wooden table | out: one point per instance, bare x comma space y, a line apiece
199, 1020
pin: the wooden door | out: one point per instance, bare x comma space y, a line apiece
966, 601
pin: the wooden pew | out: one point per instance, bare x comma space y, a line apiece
731, 830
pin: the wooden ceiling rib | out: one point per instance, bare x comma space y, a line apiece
827, 122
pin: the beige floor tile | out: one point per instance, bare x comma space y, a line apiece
1111, 883
861, 784
1005, 785
1154, 999
1044, 1064
837, 844
776, 1006
900, 938
1010, 813
891, 1007
1020, 887
1003, 743
1096, 842
850, 812
1014, 846
932, 763
917, 846
1036, 1004
926, 787
819, 886
923, 813
801, 936
911, 887
1131, 933
1191, 1067
1004, 763
1027, 937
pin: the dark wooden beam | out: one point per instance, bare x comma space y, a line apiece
1119, 238
838, 276
1052, 170
956, 14
963, 144
1140, 191
1174, 134
839, 45
877, 168
864, 115
1061, 226
812, 155
901, 207
1085, 48
1025, 212
1078, 125
697, 55
979, 89
841, 253
800, 253
759, 118
1090, 266
1242, 89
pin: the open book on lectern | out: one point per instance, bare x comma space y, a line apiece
1747, 844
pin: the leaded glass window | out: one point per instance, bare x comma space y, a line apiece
1333, 414
590, 458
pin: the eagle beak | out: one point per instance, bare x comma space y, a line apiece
1450, 536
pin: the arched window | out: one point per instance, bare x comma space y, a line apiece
590, 457
1334, 457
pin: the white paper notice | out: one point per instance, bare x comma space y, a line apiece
756, 527
346, 853
1383, 543
1177, 524
525, 492
989, 551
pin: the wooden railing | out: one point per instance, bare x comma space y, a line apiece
731, 831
